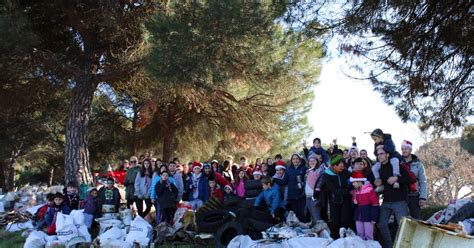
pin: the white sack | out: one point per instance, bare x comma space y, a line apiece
36, 239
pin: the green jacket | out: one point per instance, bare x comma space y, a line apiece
130, 182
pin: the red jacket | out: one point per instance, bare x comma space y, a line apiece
42, 211
220, 179
217, 193
367, 209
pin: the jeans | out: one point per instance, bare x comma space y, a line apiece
414, 206
196, 203
88, 219
395, 168
399, 209
365, 230
158, 212
140, 207
314, 211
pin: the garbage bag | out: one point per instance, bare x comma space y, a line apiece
139, 229
15, 227
36, 239
65, 228
77, 217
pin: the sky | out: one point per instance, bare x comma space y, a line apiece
345, 107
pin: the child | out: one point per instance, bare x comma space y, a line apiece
167, 194
281, 180
58, 205
91, 207
367, 209
240, 182
197, 187
385, 140
270, 196
109, 195
215, 190
71, 198
40, 214
257, 174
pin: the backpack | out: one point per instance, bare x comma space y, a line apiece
413, 185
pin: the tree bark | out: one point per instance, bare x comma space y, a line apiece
77, 167
133, 143
168, 144
10, 172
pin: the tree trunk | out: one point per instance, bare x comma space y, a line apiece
51, 176
168, 144
133, 143
77, 168
10, 173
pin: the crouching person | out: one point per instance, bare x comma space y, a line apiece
41, 213
58, 206
270, 200
91, 207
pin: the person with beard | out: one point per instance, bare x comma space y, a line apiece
418, 192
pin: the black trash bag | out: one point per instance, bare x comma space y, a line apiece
210, 221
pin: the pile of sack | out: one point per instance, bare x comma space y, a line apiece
120, 236
28, 196
460, 211
70, 230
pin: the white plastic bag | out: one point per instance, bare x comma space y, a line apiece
126, 216
34, 209
113, 234
2, 207
83, 232
65, 228
15, 227
139, 229
36, 239
77, 217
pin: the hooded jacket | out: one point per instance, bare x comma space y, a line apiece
335, 187
419, 170
293, 173
367, 209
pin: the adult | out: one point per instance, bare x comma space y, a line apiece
296, 197
313, 182
335, 187
394, 199
143, 186
178, 178
129, 182
417, 193
316, 148
210, 174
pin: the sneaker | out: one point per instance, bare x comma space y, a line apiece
396, 185
379, 189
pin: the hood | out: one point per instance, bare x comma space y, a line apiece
366, 188
330, 172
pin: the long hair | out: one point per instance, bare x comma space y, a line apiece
149, 169
237, 180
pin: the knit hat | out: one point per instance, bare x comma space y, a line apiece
336, 159
313, 156
257, 172
280, 165
214, 161
407, 144
354, 148
228, 187
377, 133
206, 165
196, 164
358, 176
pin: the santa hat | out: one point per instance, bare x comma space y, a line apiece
196, 164
407, 144
214, 161
280, 165
257, 172
358, 176
228, 187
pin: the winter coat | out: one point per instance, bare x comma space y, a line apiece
389, 147
217, 193
293, 172
91, 205
42, 212
312, 176
167, 194
130, 182
391, 194
202, 188
335, 187
157, 179
71, 199
178, 178
417, 168
314, 150
367, 208
50, 216
240, 188
282, 184
110, 196
271, 196
142, 186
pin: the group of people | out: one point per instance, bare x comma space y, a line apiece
342, 187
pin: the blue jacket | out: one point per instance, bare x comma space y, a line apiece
53, 210
294, 192
156, 179
203, 188
271, 197
320, 150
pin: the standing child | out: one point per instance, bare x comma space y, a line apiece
109, 195
384, 140
240, 182
281, 180
58, 206
71, 197
167, 197
215, 190
367, 205
91, 207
